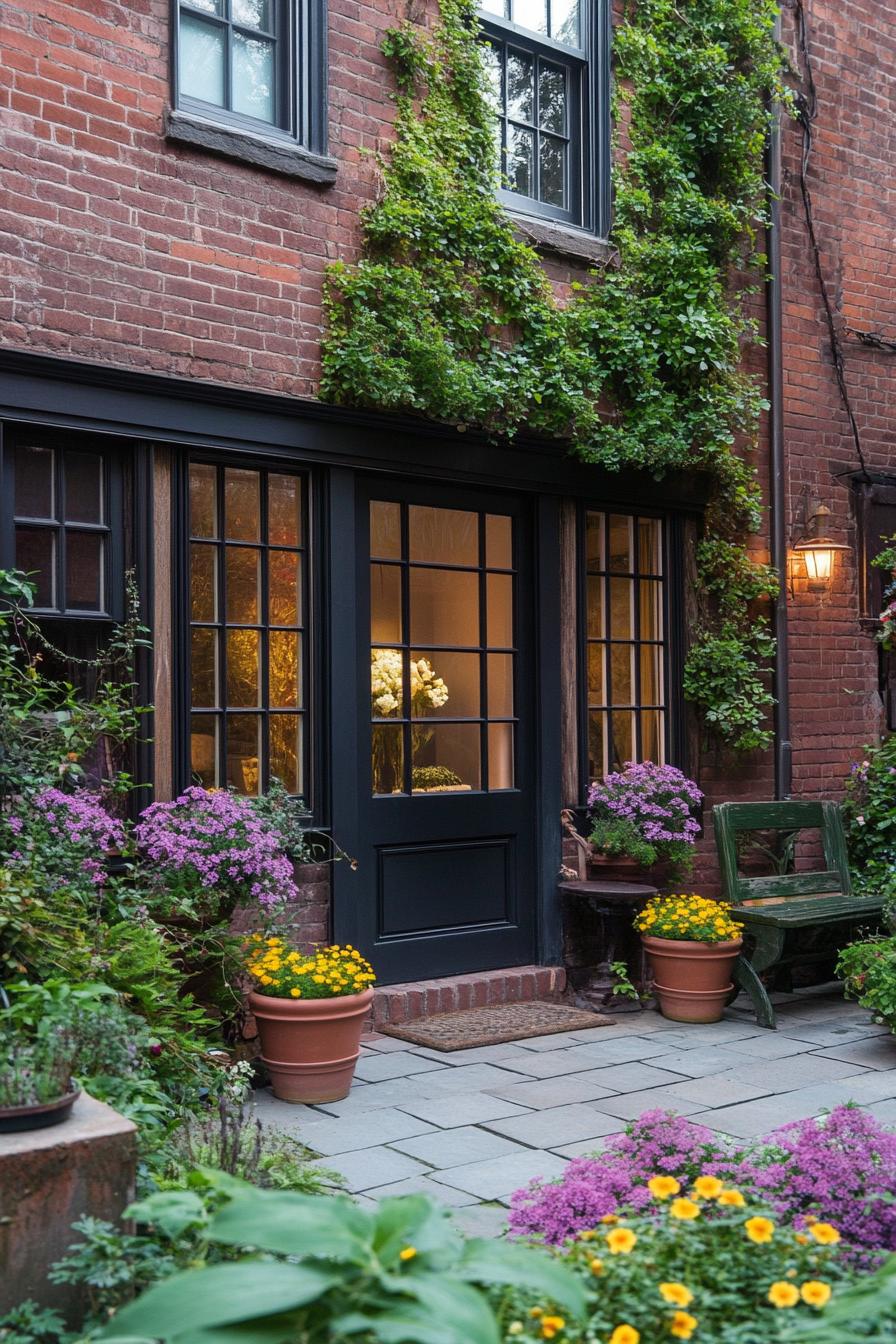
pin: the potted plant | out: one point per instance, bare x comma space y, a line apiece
692, 943
641, 817
36, 1087
310, 1011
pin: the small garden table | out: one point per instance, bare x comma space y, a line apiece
615, 904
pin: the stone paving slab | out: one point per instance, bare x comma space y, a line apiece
711, 1092
471, 1078
542, 1093
470, 1108
458, 1147
631, 1077
425, 1185
875, 1052
498, 1177
622, 1050
481, 1220
380, 1068
563, 1124
343, 1135
787, 1075
629, 1105
367, 1168
699, 1062
830, 1034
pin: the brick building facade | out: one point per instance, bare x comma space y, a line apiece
161, 271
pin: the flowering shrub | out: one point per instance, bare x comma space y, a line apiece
869, 972
286, 974
869, 817
62, 836
691, 917
645, 811
212, 850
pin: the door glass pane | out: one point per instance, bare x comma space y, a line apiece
201, 64
531, 14
243, 751
621, 614
241, 505
286, 750
552, 154
284, 510
622, 672
444, 684
445, 606
385, 604
500, 685
203, 501
83, 488
203, 583
445, 756
520, 87
565, 22
243, 668
35, 495
253, 76
84, 571
385, 530
443, 536
243, 571
203, 668
500, 756
619, 547
520, 160
387, 758
386, 683
36, 555
595, 613
204, 749
500, 610
498, 541
284, 670
285, 588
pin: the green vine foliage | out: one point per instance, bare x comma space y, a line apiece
449, 314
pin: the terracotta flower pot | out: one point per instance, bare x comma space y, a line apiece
692, 981
310, 1046
614, 867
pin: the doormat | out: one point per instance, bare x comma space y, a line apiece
493, 1025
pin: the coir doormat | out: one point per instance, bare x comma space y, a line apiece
493, 1025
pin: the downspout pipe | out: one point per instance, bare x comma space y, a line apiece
777, 484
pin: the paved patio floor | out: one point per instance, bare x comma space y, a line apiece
472, 1126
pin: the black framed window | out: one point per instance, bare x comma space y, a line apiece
66, 524
626, 673
248, 627
256, 64
548, 69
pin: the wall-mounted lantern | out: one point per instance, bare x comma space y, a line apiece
817, 548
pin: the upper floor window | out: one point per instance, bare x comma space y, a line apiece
549, 74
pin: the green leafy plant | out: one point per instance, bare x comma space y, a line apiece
29, 1323
868, 969
623, 986
35, 1067
869, 818
864, 1310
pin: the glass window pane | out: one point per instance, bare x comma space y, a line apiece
565, 22
498, 541
387, 758
243, 751
284, 588
446, 757
84, 553
385, 604
622, 596
552, 98
35, 494
493, 61
500, 685
285, 670
619, 545
650, 596
204, 749
653, 746
443, 536
595, 612
284, 510
552, 161
385, 530
520, 87
531, 14
241, 505
594, 541
623, 738
651, 675
597, 745
203, 668
208, 6
253, 76
36, 555
622, 672
83, 488
242, 570
494, 7
520, 160
203, 501
649, 548
445, 606
203, 583
243, 668
386, 683
201, 48
253, 13
500, 610
285, 747
500, 756
597, 687
444, 685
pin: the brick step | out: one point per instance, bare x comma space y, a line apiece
511, 984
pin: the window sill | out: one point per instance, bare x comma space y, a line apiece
278, 157
562, 241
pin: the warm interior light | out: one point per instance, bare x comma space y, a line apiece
817, 550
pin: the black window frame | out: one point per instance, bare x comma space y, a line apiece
588, 114
300, 35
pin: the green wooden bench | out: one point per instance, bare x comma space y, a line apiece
773, 909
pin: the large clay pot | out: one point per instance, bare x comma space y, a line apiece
692, 981
614, 868
311, 1046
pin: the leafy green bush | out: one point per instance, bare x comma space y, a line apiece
869, 816
29, 1323
869, 972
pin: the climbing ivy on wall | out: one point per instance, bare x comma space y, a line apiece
449, 314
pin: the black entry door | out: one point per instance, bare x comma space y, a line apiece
446, 878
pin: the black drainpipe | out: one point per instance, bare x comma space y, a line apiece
777, 496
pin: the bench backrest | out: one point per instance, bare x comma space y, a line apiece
733, 819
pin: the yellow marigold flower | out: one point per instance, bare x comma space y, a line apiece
815, 1293
588, 1234
677, 1294
783, 1294
682, 1325
732, 1198
685, 1209
296, 992
596, 1266
621, 1240
610, 1218
708, 1187
661, 1187
551, 1326
407, 1253
760, 1229
535, 1312
825, 1234
625, 1334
